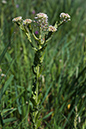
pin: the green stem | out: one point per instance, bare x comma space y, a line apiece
37, 83
38, 59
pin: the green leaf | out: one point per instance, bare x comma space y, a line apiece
8, 57
48, 115
17, 100
33, 101
4, 52
7, 83
39, 123
9, 120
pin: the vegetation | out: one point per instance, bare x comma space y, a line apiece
63, 77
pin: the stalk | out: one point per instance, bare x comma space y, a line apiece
36, 71
46, 31
37, 83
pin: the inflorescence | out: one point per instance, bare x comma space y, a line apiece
41, 21
65, 17
39, 27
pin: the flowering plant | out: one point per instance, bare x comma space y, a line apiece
42, 35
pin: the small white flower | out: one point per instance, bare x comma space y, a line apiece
4, 1
52, 28
42, 15
17, 19
65, 16
27, 21
3, 75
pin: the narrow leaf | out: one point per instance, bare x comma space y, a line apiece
7, 83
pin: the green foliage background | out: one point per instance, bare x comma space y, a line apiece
63, 80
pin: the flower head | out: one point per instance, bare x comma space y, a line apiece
17, 19
52, 28
42, 20
27, 21
65, 16
42, 15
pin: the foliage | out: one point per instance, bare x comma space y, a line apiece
63, 77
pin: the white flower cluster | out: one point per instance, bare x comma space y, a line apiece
52, 28
42, 15
65, 17
17, 19
42, 20
27, 21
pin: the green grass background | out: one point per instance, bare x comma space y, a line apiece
63, 79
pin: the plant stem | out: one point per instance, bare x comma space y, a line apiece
37, 83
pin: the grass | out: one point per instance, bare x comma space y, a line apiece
63, 80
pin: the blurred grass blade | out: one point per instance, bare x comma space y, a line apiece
7, 83
4, 52
1, 120
46, 94
9, 120
17, 100
47, 115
